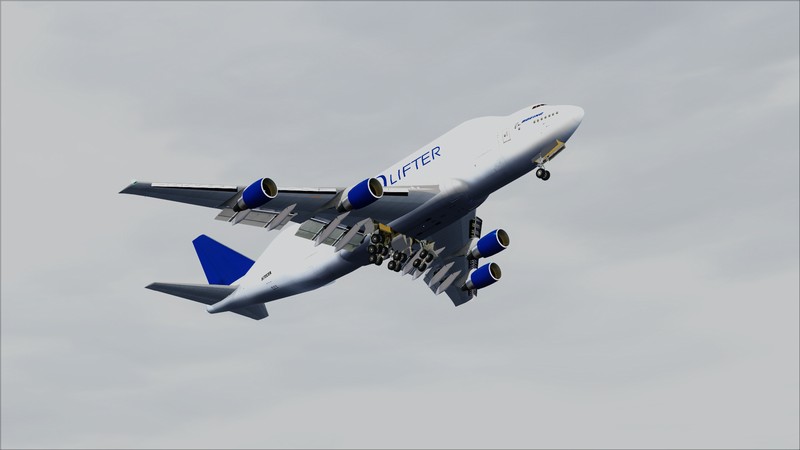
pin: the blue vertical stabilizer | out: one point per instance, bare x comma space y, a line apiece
221, 264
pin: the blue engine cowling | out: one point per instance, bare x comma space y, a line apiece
363, 194
259, 192
483, 276
491, 244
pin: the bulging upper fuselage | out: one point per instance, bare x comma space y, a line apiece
466, 165
487, 150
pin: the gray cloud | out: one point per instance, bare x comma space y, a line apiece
650, 298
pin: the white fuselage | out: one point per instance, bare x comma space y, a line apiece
468, 163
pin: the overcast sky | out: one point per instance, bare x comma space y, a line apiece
649, 297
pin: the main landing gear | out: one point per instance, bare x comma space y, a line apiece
380, 249
377, 251
542, 173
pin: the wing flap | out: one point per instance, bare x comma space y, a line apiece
450, 269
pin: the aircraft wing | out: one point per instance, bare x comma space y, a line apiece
450, 269
291, 204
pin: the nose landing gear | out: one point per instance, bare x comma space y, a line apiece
542, 173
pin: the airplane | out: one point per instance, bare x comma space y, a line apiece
419, 216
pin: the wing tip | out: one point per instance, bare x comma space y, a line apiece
131, 187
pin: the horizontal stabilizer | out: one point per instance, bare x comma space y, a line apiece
201, 293
208, 295
256, 312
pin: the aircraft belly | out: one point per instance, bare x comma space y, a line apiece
290, 265
434, 218
302, 268
288, 282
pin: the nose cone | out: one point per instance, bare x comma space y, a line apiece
576, 112
573, 116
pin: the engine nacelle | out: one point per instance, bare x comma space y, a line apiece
491, 244
255, 195
363, 194
483, 276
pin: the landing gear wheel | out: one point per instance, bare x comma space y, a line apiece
392, 265
423, 254
416, 263
376, 239
422, 267
540, 173
403, 257
546, 175
384, 250
373, 258
396, 256
429, 258
371, 249
398, 267
379, 260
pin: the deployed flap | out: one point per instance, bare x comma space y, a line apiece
221, 264
457, 295
208, 295
450, 269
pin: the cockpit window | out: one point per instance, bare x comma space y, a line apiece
540, 104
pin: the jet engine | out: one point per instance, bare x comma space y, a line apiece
255, 195
491, 244
363, 194
483, 276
